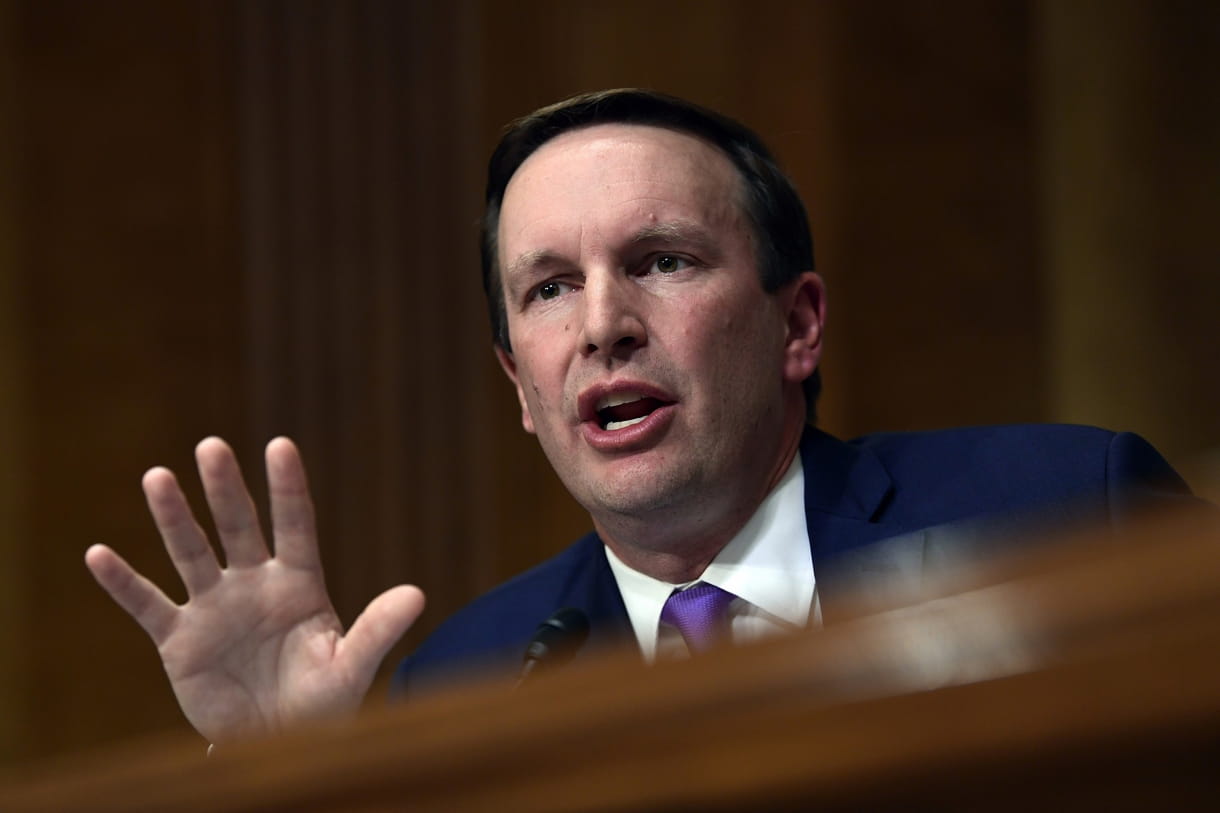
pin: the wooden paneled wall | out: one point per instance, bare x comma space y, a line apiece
366, 339
13, 600
258, 218
1129, 203
124, 289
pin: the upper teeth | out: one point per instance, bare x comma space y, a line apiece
607, 401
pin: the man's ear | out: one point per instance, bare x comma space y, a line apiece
806, 304
510, 369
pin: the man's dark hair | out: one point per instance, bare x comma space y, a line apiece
781, 226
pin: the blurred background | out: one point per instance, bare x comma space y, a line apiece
258, 218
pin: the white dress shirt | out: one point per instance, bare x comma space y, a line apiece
767, 565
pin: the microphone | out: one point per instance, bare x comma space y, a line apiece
555, 642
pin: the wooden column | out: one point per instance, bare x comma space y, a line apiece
1131, 197
366, 332
14, 665
122, 350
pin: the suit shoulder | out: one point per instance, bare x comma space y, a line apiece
1017, 467
1027, 441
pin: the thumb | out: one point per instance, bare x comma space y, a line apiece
379, 627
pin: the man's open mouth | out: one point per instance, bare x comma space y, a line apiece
621, 410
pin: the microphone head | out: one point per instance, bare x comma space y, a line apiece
558, 638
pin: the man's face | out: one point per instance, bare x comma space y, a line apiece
646, 356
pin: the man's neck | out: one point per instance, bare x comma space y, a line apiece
677, 544
672, 556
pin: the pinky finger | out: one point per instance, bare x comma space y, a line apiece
139, 597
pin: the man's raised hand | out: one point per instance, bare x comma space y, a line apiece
257, 645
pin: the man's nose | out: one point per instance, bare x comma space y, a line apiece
613, 323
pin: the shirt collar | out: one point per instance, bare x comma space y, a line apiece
767, 564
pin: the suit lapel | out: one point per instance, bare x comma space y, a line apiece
847, 490
593, 590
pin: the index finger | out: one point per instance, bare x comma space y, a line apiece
292, 515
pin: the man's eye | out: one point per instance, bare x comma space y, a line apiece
668, 263
549, 290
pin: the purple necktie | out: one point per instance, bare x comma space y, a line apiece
699, 614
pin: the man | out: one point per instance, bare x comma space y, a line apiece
649, 275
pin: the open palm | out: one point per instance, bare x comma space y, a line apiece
257, 645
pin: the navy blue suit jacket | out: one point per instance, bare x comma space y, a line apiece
873, 506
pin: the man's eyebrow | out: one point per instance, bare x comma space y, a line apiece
677, 231
532, 259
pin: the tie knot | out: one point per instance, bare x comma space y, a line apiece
699, 613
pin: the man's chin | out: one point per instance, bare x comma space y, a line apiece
636, 498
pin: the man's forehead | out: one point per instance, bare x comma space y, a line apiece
600, 140
575, 168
